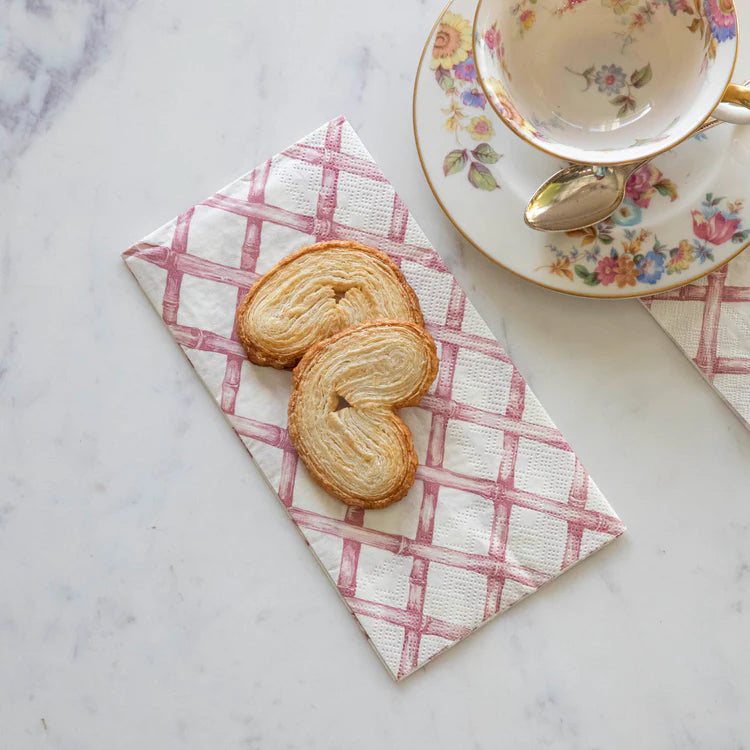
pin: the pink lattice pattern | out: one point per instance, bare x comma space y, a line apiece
501, 504
710, 321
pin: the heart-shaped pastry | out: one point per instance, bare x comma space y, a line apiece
363, 453
316, 292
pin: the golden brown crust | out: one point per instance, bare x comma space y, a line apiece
363, 455
382, 292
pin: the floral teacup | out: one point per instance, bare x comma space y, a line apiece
608, 81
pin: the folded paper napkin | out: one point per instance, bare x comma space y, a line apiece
501, 504
710, 321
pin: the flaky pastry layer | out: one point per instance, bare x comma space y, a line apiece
363, 454
316, 292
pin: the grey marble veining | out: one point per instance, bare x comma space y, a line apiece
46, 48
152, 592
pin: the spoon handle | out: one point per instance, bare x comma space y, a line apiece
712, 122
633, 167
582, 195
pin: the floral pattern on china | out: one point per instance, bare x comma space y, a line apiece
620, 251
713, 20
457, 77
554, 121
492, 42
611, 79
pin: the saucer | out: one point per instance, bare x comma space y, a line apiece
684, 214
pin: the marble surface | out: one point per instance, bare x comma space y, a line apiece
135, 609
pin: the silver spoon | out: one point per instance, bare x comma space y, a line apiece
582, 195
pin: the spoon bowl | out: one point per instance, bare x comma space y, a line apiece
577, 197
582, 195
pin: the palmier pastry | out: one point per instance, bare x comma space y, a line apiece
316, 292
363, 453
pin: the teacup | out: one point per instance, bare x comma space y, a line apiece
608, 81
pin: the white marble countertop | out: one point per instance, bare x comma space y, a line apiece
136, 608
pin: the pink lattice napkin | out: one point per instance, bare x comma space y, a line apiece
710, 321
501, 504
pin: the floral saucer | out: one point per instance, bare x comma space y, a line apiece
683, 216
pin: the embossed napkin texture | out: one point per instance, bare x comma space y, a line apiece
710, 321
501, 504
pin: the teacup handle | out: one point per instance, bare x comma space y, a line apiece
735, 105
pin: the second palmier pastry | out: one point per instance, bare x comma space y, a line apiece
316, 292
341, 413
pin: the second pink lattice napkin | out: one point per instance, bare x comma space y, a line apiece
710, 321
501, 504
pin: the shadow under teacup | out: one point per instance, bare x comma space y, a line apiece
608, 81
